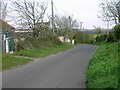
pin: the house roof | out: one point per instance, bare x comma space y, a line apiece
45, 23
5, 25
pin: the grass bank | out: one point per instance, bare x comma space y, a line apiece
119, 65
8, 61
0, 61
42, 52
103, 68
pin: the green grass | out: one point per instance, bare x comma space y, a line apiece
8, 61
42, 52
0, 61
119, 65
103, 68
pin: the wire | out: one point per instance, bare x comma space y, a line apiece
56, 9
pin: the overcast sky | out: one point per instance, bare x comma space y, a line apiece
85, 11
82, 10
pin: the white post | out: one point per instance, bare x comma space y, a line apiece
73, 41
4, 37
7, 46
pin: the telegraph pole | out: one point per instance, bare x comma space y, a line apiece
82, 29
83, 36
81, 23
52, 15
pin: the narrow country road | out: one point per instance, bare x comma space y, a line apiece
63, 70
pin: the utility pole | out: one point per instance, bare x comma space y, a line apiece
69, 22
52, 15
82, 29
83, 36
81, 23
108, 24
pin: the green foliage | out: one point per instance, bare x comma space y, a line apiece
78, 36
87, 38
98, 31
103, 68
119, 65
101, 38
111, 37
81, 37
41, 30
43, 39
0, 61
117, 32
41, 52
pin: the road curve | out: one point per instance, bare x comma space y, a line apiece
63, 70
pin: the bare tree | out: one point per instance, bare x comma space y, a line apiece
66, 22
3, 10
29, 13
66, 25
110, 10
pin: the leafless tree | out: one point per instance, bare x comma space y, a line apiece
29, 13
3, 10
66, 22
110, 10
66, 25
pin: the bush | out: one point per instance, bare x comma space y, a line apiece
101, 38
111, 37
81, 37
43, 38
117, 32
30, 43
78, 37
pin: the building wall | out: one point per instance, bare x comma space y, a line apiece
6, 31
7, 41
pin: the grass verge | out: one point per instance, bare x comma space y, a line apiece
42, 52
119, 65
103, 68
9, 61
0, 61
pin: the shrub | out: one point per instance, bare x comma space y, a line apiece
101, 38
78, 37
81, 37
117, 32
111, 37
43, 39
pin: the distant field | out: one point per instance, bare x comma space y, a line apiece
103, 68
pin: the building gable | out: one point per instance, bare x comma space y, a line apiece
5, 25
